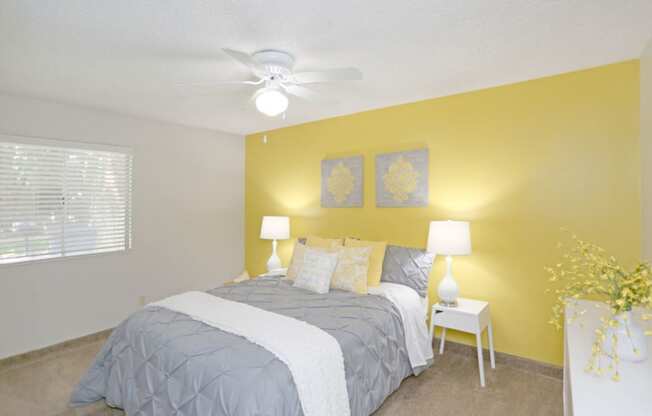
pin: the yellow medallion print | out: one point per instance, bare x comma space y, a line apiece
340, 183
401, 179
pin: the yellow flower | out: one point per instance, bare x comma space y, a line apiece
588, 270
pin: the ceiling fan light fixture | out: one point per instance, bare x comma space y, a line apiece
275, 69
271, 101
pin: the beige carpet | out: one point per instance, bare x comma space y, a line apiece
450, 387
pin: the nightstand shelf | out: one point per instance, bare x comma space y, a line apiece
470, 316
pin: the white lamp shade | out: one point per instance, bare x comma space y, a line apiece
275, 228
449, 238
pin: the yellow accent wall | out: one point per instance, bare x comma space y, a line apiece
518, 161
646, 152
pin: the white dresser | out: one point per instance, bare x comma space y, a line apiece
589, 395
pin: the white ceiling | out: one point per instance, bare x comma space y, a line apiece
131, 56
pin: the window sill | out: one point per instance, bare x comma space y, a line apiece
66, 258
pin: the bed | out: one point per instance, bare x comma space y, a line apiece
160, 362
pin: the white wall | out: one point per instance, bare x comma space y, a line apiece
646, 151
188, 226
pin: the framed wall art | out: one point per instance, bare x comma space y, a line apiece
402, 179
341, 182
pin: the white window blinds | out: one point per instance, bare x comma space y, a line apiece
58, 201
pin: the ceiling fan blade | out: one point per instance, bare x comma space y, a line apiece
244, 58
221, 83
302, 92
212, 88
331, 75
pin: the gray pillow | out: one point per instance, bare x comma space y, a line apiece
408, 266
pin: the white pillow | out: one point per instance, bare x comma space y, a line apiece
317, 270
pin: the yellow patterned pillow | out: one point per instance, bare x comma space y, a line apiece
375, 259
351, 271
296, 262
318, 242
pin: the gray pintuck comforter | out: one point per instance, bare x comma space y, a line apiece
159, 362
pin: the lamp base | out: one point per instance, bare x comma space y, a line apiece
274, 262
452, 304
448, 289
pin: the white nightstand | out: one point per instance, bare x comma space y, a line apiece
278, 272
469, 316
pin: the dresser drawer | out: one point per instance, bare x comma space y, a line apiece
456, 320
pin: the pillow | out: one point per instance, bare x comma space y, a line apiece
319, 242
375, 259
351, 271
296, 261
317, 270
408, 266
297, 258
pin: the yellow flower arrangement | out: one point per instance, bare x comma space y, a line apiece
586, 271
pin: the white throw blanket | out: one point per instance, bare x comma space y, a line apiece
410, 307
313, 356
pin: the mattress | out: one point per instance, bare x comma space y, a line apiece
159, 362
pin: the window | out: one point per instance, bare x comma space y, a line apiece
59, 199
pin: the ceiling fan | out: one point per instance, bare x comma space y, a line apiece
273, 68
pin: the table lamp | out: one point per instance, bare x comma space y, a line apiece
274, 228
449, 238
